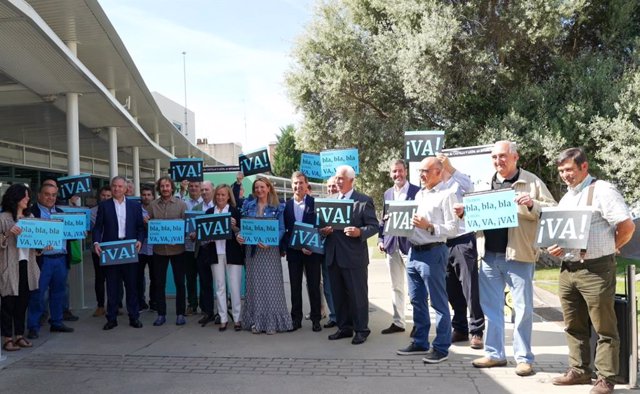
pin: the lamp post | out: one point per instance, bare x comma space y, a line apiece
184, 72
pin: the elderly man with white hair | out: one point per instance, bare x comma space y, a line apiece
347, 256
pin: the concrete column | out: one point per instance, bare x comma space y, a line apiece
113, 151
156, 162
136, 170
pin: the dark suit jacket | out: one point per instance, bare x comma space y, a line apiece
350, 252
388, 241
106, 227
233, 250
35, 210
308, 216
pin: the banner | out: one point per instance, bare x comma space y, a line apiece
217, 169
308, 237
399, 218
86, 211
333, 212
255, 162
166, 232
256, 230
310, 165
332, 159
421, 144
186, 169
118, 252
71, 185
491, 209
568, 228
40, 233
75, 224
213, 227
474, 161
190, 221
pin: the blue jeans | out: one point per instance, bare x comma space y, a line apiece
53, 278
495, 273
426, 273
326, 285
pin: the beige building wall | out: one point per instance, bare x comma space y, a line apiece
226, 152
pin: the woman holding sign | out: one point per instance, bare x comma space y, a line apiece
266, 306
19, 272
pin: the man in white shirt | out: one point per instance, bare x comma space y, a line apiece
194, 203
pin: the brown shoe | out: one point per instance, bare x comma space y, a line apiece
457, 336
524, 369
571, 377
99, 312
476, 342
602, 386
486, 362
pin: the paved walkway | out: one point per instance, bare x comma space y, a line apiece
192, 359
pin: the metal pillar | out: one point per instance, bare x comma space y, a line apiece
156, 162
113, 152
136, 170
633, 330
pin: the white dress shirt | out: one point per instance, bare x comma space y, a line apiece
121, 213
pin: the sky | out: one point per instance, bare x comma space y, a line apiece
237, 53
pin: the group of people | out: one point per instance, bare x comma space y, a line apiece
444, 264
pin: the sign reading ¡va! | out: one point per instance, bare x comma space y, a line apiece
118, 252
186, 169
567, 228
264, 231
399, 218
310, 165
166, 232
333, 212
190, 221
332, 159
308, 237
71, 185
75, 224
255, 162
40, 233
421, 144
489, 210
213, 227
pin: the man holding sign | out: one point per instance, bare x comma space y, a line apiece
508, 258
120, 219
587, 281
396, 248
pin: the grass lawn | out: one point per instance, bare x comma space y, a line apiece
372, 242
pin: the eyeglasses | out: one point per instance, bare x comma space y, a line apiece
426, 170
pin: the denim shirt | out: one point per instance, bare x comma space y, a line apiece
250, 209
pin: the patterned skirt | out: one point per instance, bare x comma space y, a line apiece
265, 302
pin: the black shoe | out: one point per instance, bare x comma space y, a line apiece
341, 334
143, 306
296, 325
135, 323
392, 329
316, 326
330, 324
68, 316
412, 349
216, 319
111, 324
359, 338
33, 334
434, 357
206, 319
60, 328
413, 332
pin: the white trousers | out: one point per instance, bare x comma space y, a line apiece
396, 262
233, 272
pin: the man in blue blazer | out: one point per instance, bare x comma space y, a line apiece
347, 256
120, 218
397, 248
301, 208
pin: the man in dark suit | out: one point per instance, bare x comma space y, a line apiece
301, 209
347, 256
397, 248
119, 218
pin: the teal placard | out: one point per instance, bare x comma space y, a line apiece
166, 232
75, 224
332, 159
490, 210
255, 231
40, 233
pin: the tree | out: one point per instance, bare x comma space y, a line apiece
286, 157
546, 74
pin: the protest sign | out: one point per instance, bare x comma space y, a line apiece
86, 211
332, 159
474, 161
310, 165
186, 169
71, 185
306, 236
218, 169
40, 233
567, 228
118, 252
255, 162
213, 227
421, 144
135, 198
256, 230
490, 209
398, 221
166, 232
190, 221
75, 224
333, 212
